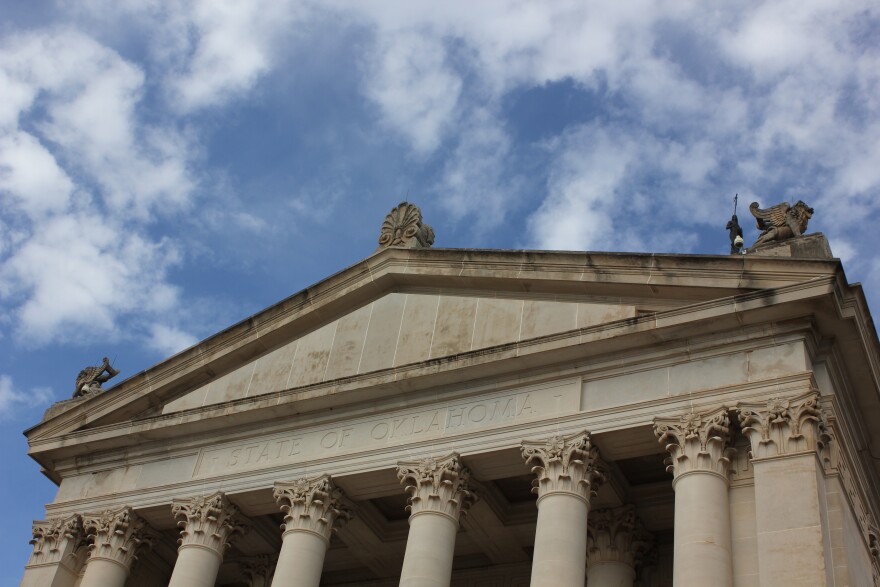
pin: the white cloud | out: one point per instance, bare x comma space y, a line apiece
473, 182
169, 340
12, 399
414, 87
86, 181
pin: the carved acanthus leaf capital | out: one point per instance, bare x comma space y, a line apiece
258, 569
57, 540
696, 442
313, 505
617, 535
211, 521
118, 535
436, 485
403, 227
567, 464
783, 426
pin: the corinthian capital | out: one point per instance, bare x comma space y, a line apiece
617, 535
211, 521
784, 426
312, 505
118, 535
566, 464
258, 569
438, 486
696, 442
57, 540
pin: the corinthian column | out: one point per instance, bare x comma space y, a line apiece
438, 495
786, 436
208, 523
698, 445
313, 509
616, 542
59, 549
118, 537
567, 477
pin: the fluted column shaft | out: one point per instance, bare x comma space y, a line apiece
698, 445
567, 477
786, 436
438, 495
208, 523
314, 509
119, 536
616, 543
59, 546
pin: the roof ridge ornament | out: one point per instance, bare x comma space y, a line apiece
403, 227
780, 222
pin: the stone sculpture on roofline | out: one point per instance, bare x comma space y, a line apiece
403, 227
780, 222
90, 379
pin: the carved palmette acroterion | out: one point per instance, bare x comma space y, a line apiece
403, 227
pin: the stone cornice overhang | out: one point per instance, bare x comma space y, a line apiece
573, 346
759, 282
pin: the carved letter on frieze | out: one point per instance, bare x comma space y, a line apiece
617, 535
567, 464
210, 521
784, 426
437, 486
696, 442
118, 535
312, 505
57, 540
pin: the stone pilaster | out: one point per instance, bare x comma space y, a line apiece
118, 536
617, 535
312, 505
438, 495
208, 523
57, 540
784, 426
696, 442
698, 445
60, 549
788, 437
258, 570
436, 485
313, 509
564, 464
567, 474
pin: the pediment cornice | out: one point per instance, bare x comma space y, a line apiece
700, 282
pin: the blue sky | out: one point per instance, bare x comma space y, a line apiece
168, 168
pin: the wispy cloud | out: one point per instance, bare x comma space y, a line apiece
12, 400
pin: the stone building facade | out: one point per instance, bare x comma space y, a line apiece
430, 417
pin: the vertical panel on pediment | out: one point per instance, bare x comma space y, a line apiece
348, 344
420, 312
498, 321
311, 356
272, 371
454, 329
541, 318
231, 386
383, 333
593, 314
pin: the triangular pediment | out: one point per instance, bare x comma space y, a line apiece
401, 328
442, 307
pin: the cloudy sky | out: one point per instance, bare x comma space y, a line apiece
170, 167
